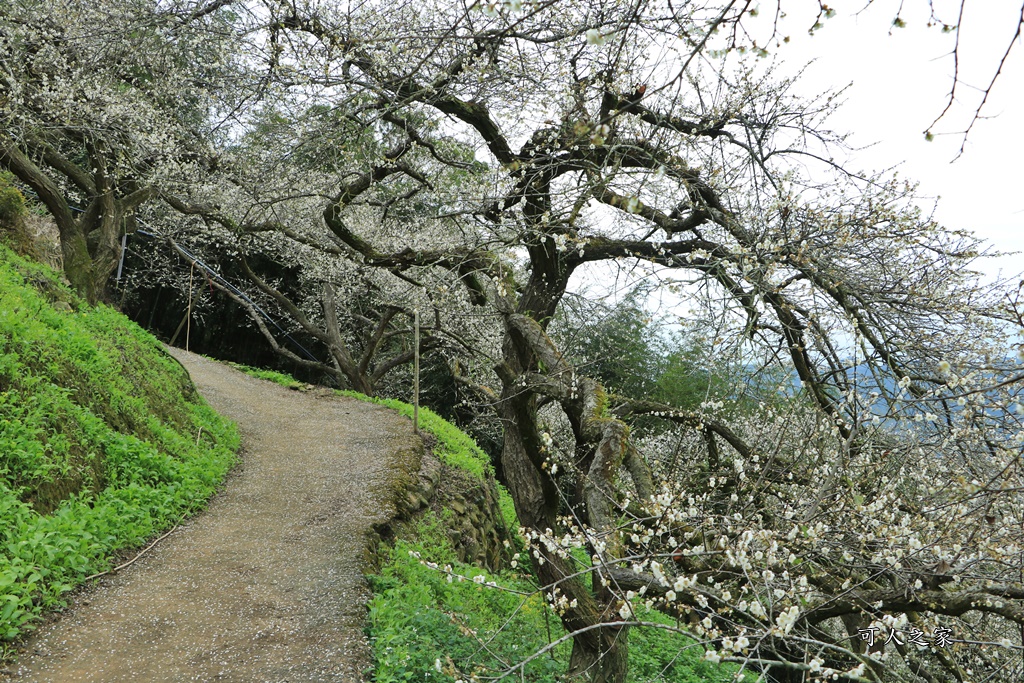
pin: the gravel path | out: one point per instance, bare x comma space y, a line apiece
267, 584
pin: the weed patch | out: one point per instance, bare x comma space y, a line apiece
427, 625
284, 380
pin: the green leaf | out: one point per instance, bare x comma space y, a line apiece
8, 610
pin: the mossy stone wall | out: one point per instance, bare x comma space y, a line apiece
467, 505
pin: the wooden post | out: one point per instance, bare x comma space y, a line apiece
416, 372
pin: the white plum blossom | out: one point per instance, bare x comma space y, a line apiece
787, 619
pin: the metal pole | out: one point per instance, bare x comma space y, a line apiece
416, 372
120, 261
188, 313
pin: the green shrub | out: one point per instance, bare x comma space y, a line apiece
12, 202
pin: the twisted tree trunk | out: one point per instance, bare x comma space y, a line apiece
533, 367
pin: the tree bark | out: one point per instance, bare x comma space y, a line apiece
532, 365
607, 664
74, 249
90, 244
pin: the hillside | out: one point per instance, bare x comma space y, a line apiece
104, 442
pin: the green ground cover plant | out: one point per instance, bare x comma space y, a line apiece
430, 612
104, 442
284, 380
447, 623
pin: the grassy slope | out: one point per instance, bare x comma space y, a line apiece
433, 618
103, 441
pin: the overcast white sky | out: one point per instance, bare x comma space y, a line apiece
900, 81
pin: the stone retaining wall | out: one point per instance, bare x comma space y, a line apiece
466, 505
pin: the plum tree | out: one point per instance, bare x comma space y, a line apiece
104, 102
886, 502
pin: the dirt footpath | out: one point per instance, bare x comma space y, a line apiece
267, 584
